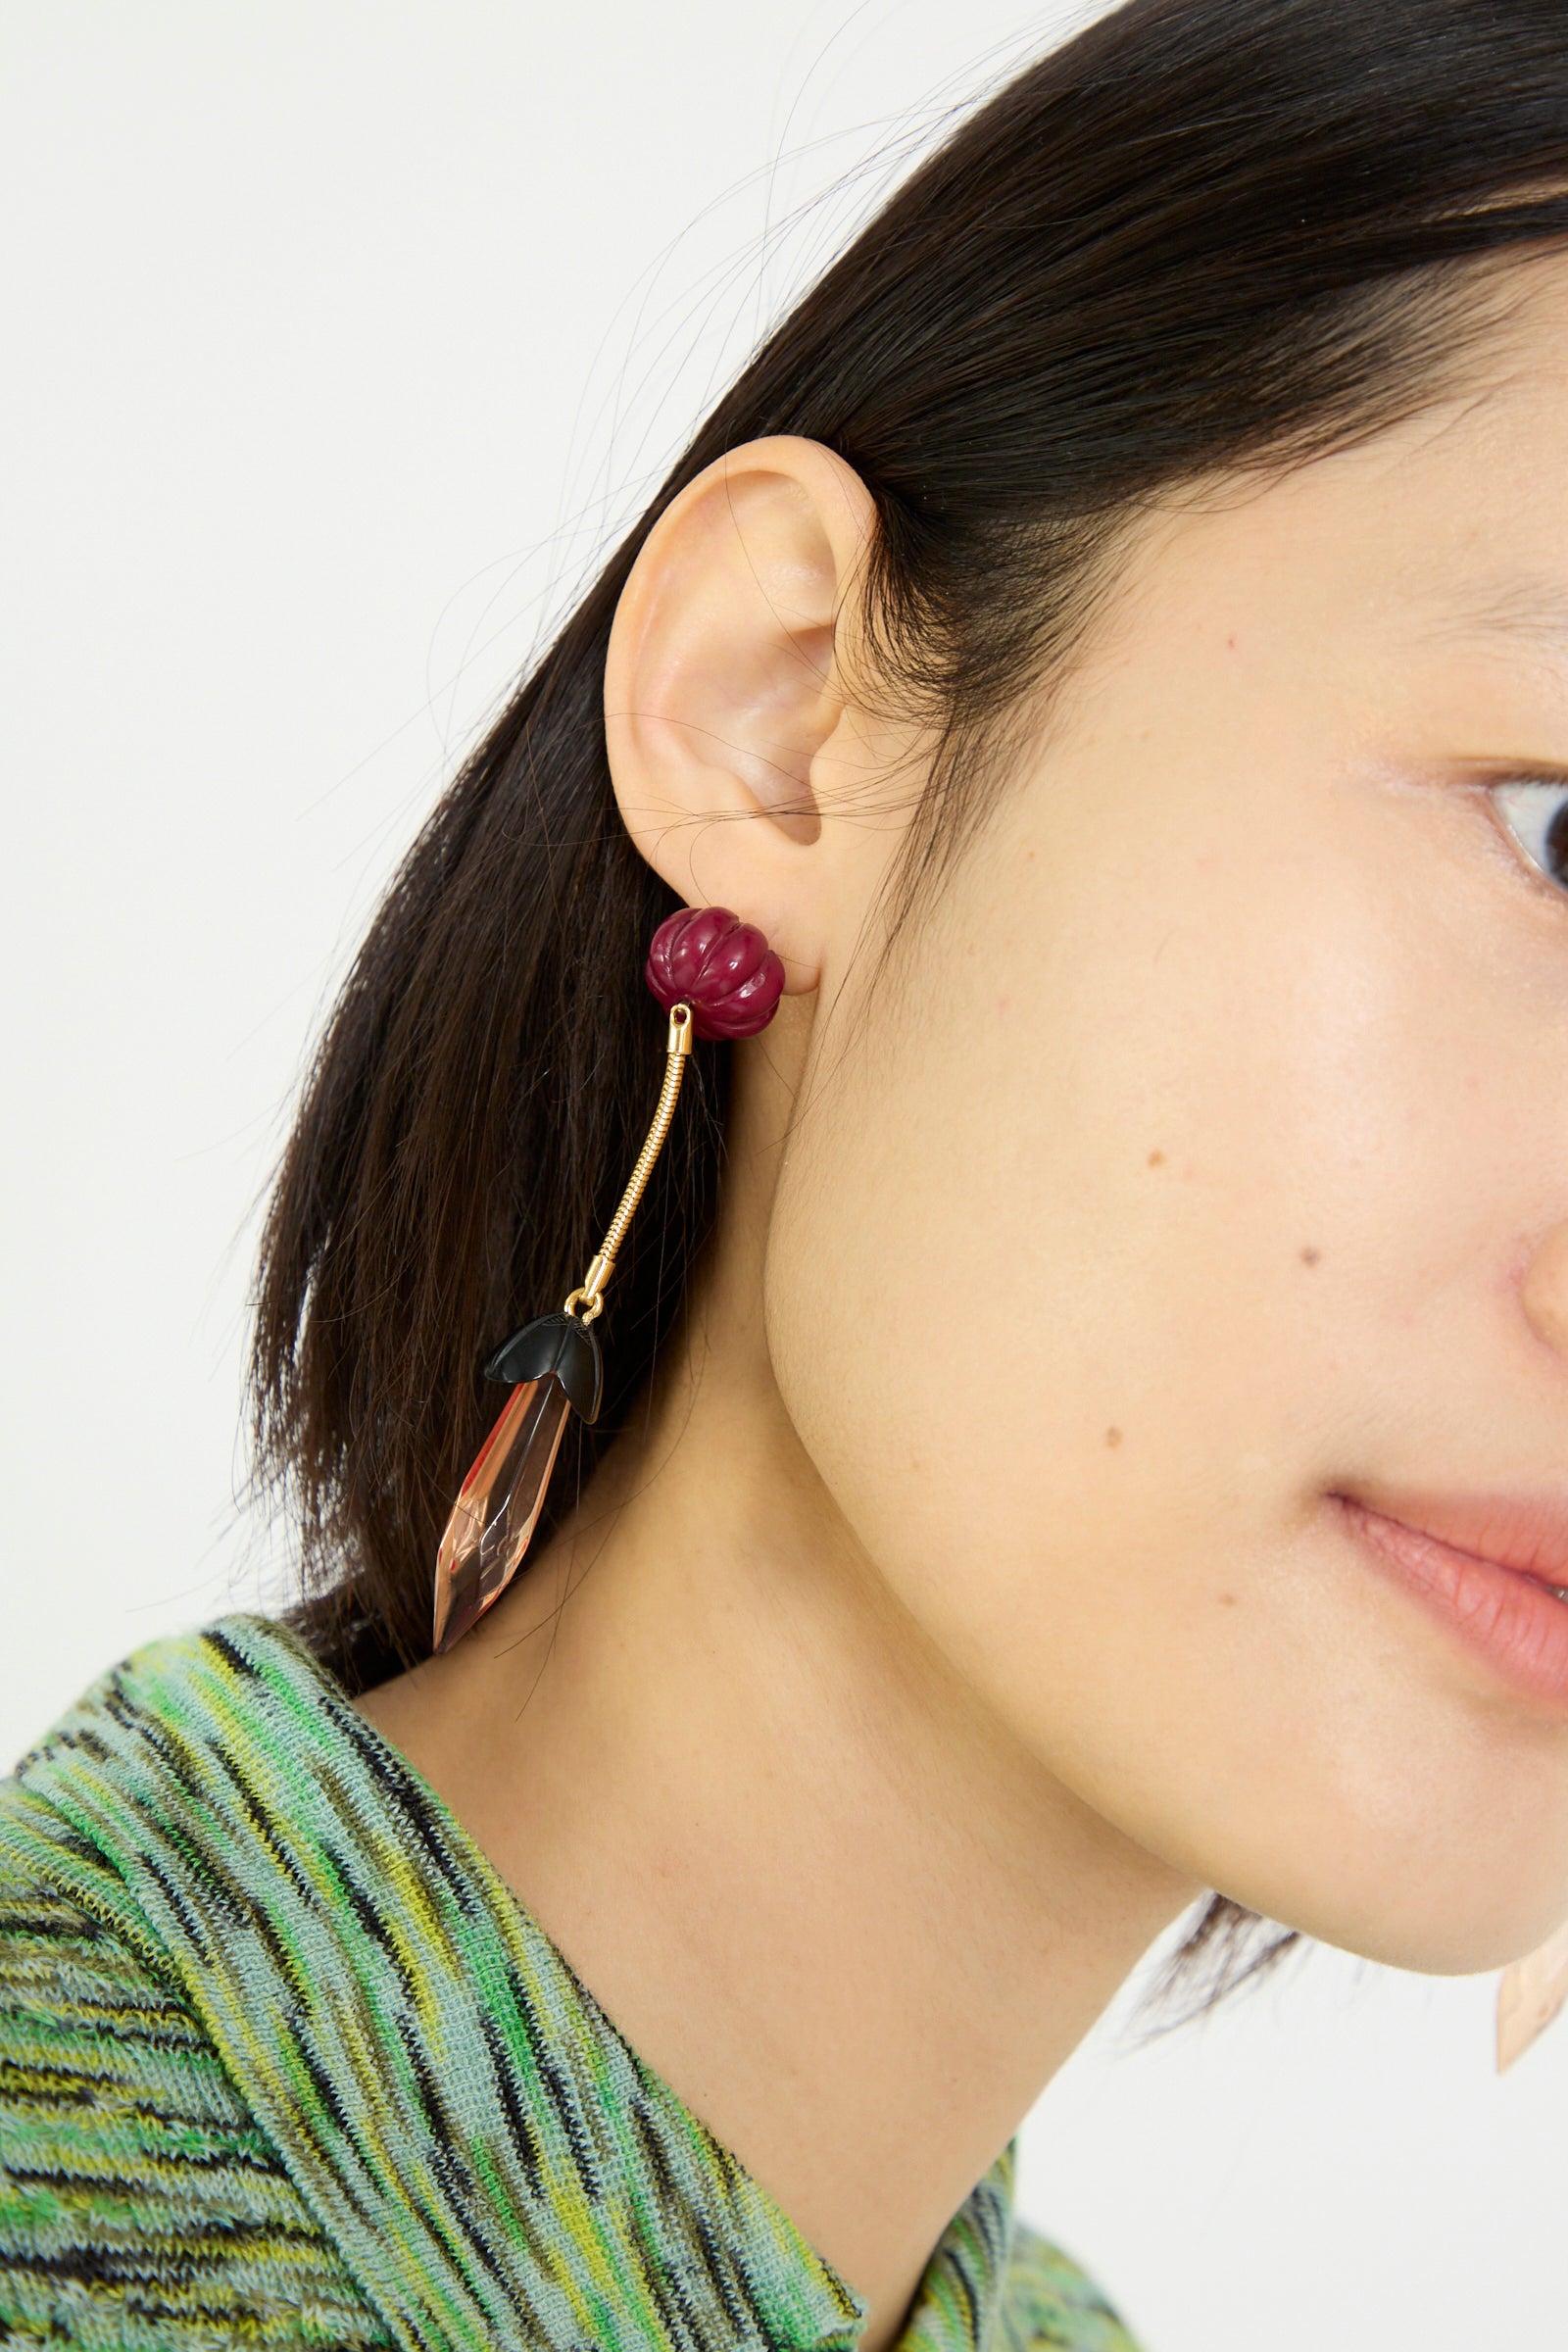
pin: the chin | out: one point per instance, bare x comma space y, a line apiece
1460, 1934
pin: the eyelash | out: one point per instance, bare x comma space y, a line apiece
1524, 806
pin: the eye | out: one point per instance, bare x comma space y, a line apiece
1535, 813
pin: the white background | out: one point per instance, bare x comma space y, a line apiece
337, 336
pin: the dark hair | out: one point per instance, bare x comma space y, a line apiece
1203, 235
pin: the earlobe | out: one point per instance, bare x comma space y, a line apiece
726, 686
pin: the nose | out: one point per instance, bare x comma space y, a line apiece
1546, 1289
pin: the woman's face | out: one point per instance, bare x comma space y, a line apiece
1206, 1161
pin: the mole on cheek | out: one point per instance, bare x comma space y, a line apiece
1227, 1600
1113, 1437
1157, 1159
1310, 1256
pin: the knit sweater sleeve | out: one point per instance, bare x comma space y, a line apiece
141, 2208
1052, 2305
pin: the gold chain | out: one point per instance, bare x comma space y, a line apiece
589, 1295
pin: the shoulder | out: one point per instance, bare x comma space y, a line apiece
140, 2205
1052, 2303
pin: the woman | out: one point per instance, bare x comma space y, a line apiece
1084, 1426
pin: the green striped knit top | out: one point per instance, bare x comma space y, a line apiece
285, 2062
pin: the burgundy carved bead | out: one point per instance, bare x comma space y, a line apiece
723, 968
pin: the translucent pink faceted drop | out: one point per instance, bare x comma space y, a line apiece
1531, 1995
498, 1507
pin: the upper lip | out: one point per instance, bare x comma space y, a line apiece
1527, 1533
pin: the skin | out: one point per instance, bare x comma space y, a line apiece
972, 1597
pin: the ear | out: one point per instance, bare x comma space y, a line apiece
734, 743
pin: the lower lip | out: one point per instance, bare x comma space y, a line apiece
1514, 1623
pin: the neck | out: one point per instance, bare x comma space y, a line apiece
815, 1884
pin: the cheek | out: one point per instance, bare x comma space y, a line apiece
1093, 1263
1030, 1255
1068, 1229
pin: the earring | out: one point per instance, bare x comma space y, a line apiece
718, 978
1530, 1993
